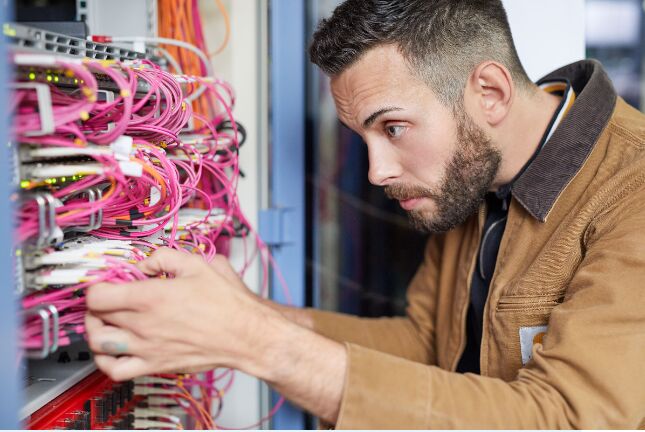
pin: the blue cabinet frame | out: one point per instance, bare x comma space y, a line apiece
10, 373
283, 224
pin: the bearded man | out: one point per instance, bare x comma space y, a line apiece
528, 310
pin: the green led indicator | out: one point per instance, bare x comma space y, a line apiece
56, 78
25, 184
49, 78
32, 76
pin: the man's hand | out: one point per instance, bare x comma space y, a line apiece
203, 318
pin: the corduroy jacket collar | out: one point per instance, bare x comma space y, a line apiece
540, 185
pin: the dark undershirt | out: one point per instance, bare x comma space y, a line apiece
494, 226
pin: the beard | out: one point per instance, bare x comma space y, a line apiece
469, 175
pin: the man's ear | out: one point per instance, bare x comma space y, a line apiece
490, 90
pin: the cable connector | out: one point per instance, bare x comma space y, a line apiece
150, 424
154, 380
145, 390
144, 413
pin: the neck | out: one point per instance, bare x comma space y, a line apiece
525, 128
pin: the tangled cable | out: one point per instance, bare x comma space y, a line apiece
109, 172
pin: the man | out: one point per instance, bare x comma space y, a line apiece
529, 308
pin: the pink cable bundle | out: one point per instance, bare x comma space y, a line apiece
155, 182
160, 189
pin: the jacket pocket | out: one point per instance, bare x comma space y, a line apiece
528, 304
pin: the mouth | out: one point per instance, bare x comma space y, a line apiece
409, 204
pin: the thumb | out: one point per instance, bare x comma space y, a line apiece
171, 261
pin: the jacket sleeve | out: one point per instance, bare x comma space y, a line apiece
587, 374
410, 337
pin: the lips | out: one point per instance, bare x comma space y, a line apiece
409, 204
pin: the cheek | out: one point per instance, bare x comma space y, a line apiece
427, 153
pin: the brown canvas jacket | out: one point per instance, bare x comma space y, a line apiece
572, 258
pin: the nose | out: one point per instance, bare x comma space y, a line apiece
384, 164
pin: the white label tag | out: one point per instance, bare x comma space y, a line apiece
155, 195
529, 336
131, 169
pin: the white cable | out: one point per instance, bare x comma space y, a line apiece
49, 171
56, 152
181, 44
166, 402
145, 413
173, 62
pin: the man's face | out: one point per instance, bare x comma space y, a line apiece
436, 163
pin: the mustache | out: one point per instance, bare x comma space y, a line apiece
402, 192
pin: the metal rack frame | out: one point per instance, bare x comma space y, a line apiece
38, 40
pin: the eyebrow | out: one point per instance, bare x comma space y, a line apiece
371, 119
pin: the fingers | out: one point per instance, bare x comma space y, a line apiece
166, 260
92, 323
115, 341
128, 320
135, 296
123, 368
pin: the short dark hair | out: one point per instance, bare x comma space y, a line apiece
442, 40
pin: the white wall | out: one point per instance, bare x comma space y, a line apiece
244, 64
548, 33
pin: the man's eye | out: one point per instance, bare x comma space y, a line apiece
395, 131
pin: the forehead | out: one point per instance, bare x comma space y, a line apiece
381, 77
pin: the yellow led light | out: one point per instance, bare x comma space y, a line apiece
125, 93
49, 78
32, 76
18, 252
25, 184
69, 74
56, 78
75, 80
49, 181
8, 30
84, 115
79, 142
64, 179
54, 181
